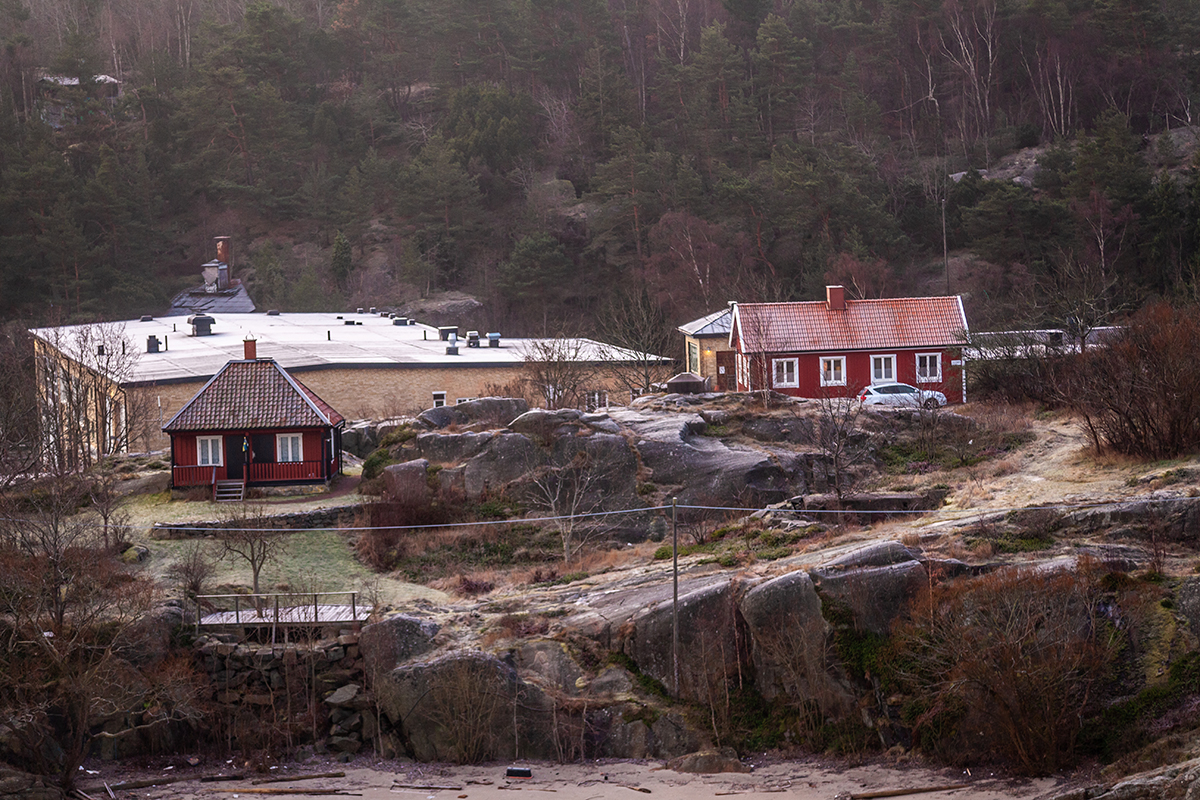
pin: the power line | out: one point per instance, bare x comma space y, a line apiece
959, 512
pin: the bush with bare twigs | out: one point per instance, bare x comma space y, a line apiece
1006, 665
1139, 394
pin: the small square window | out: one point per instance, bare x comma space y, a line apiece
208, 451
833, 371
883, 369
785, 371
439, 399
289, 447
929, 367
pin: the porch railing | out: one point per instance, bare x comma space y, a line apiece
194, 476
286, 471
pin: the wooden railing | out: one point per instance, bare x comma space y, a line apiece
194, 476
286, 471
267, 609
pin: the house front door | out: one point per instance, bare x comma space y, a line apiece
235, 457
726, 370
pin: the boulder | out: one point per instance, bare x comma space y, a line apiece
494, 411
408, 483
393, 641
150, 637
790, 643
709, 762
877, 554
797, 430
873, 596
612, 466
1188, 602
17, 785
449, 448
711, 645
460, 707
344, 696
549, 664
708, 470
541, 423
628, 730
508, 457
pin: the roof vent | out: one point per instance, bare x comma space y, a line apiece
399, 321
360, 310
274, 312
493, 339
201, 324
472, 338
452, 350
151, 344
372, 309
445, 331
348, 322
147, 318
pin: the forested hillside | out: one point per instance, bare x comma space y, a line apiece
562, 158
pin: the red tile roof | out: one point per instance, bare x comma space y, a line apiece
253, 395
901, 322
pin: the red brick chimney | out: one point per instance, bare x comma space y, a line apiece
835, 298
251, 347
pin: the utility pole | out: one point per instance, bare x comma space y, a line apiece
675, 591
945, 249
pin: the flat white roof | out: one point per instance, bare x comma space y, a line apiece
304, 342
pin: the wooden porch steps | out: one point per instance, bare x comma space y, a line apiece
229, 492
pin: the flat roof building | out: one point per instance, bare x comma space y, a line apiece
367, 365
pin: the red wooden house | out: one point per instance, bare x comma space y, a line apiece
254, 424
837, 347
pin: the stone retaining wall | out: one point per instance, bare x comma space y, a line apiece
290, 685
334, 517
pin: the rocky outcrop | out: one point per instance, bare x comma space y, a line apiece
1180, 780
790, 643
17, 785
394, 641
492, 411
873, 584
408, 483
712, 639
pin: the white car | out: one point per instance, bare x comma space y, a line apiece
901, 394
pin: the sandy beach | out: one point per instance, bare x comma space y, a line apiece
815, 779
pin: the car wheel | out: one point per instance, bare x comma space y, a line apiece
931, 403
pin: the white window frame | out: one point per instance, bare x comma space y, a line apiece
891, 368
439, 399
214, 443
743, 371
460, 400
595, 398
841, 362
937, 360
693, 357
297, 452
789, 365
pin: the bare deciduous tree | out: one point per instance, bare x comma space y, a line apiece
559, 371
244, 538
567, 488
64, 605
635, 324
840, 439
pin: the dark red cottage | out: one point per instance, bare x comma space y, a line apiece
254, 424
837, 347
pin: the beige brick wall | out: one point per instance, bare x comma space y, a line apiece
361, 393
709, 346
